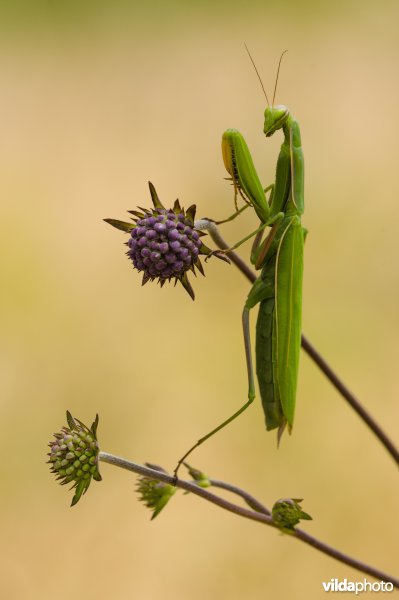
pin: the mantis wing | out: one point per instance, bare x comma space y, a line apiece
288, 311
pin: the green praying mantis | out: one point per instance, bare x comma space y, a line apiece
279, 257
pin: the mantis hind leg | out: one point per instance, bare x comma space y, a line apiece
251, 392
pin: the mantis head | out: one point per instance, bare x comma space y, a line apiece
275, 118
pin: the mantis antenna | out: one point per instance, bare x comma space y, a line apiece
259, 77
278, 72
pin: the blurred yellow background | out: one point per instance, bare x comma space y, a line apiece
97, 98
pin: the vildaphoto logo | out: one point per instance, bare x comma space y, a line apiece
357, 587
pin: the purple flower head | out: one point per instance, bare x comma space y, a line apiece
164, 243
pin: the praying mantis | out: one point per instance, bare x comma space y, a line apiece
279, 257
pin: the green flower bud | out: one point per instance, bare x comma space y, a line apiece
154, 494
287, 513
74, 455
199, 477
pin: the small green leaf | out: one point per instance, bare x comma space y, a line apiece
94, 426
187, 286
122, 225
177, 207
155, 199
190, 213
79, 490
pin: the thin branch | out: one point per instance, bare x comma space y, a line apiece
310, 350
248, 498
350, 398
261, 515
185, 485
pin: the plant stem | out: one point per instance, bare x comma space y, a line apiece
261, 514
248, 498
310, 350
350, 398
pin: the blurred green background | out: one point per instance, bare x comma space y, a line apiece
97, 98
